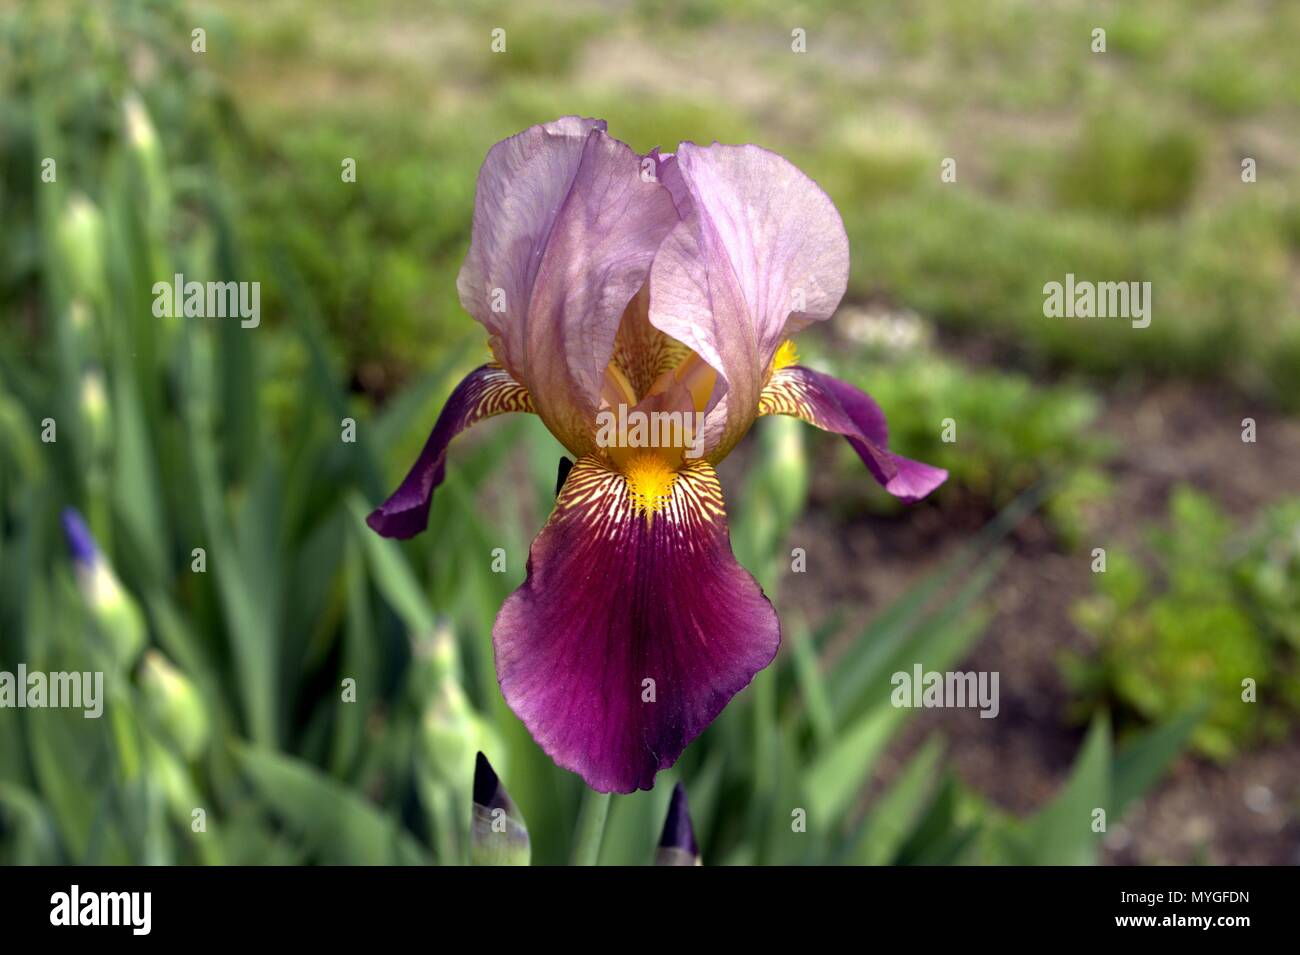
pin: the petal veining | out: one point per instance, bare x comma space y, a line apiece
632, 630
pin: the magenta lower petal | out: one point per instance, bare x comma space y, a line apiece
837, 406
629, 635
487, 391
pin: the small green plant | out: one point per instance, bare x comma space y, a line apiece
1210, 630
1268, 576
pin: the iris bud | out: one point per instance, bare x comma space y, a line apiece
498, 835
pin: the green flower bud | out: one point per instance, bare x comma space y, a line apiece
115, 613
498, 835
142, 140
94, 409
81, 244
175, 703
449, 735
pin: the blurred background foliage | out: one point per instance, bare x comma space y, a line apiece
1121, 690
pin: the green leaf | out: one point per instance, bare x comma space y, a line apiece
1141, 762
840, 773
1062, 832
870, 656
895, 813
812, 685
391, 573
947, 829
837, 775
339, 826
631, 831
31, 838
360, 646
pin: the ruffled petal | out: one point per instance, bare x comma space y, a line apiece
631, 631
483, 393
836, 406
565, 227
760, 253
666, 171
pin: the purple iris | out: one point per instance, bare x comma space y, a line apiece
660, 283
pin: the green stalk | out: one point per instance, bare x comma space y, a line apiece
591, 828
766, 756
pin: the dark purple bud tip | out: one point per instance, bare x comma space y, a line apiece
565, 467
80, 541
677, 844
498, 835
486, 783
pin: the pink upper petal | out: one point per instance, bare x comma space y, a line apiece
565, 226
760, 253
665, 166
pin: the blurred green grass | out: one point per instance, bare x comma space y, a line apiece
1061, 165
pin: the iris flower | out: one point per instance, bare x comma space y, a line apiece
659, 282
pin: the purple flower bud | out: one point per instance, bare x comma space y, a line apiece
498, 835
677, 844
115, 612
80, 541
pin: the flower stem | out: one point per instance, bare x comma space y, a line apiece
591, 828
